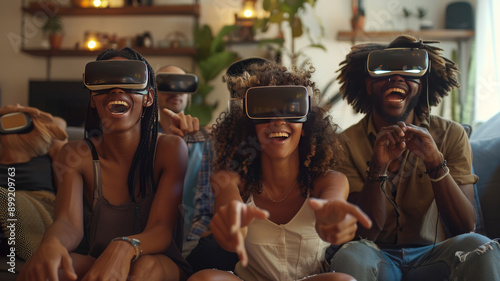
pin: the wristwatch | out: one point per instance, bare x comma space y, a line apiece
136, 243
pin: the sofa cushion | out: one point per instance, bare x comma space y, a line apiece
485, 143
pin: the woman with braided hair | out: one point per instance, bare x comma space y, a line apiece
119, 195
278, 202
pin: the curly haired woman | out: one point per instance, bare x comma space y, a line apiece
266, 174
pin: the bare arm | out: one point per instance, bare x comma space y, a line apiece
232, 217
455, 202
371, 199
65, 233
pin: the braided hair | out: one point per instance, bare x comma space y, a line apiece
442, 77
141, 169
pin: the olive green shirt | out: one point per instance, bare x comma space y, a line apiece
410, 188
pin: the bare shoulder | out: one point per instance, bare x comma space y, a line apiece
74, 152
170, 141
171, 149
331, 175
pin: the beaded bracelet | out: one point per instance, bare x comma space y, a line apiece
433, 172
134, 242
375, 177
447, 172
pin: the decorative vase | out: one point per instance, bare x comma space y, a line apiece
55, 41
358, 22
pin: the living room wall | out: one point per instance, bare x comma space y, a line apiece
18, 68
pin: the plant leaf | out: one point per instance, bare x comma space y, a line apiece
218, 43
213, 65
202, 112
277, 17
202, 42
319, 46
297, 27
277, 41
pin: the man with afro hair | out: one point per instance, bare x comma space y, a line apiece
410, 171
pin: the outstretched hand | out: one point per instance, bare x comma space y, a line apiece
336, 220
182, 125
229, 226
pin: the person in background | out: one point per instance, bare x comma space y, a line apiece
206, 246
117, 203
30, 140
278, 203
409, 170
174, 121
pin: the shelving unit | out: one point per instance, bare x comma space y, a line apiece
432, 34
164, 10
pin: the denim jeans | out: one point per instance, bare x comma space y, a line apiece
467, 257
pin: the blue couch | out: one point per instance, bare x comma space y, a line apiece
485, 143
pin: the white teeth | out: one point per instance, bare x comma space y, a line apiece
118, 102
278, 135
118, 107
397, 90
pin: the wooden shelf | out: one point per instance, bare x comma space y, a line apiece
189, 10
81, 53
431, 34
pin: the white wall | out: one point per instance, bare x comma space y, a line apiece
18, 68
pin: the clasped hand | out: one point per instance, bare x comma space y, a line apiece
393, 140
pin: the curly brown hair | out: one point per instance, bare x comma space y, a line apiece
442, 77
235, 139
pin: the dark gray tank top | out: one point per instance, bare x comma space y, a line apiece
104, 221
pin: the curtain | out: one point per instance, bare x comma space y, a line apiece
487, 59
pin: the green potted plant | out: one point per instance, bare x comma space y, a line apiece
289, 12
211, 58
424, 23
54, 29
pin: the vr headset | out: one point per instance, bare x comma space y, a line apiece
408, 62
15, 123
129, 75
291, 103
177, 83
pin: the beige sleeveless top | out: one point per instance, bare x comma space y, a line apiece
289, 251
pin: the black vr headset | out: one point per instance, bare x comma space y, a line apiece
177, 83
291, 103
129, 75
407, 62
15, 123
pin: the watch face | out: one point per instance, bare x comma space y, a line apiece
135, 242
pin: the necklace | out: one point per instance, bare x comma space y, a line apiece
284, 197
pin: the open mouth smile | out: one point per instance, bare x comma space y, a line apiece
118, 107
280, 136
395, 95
